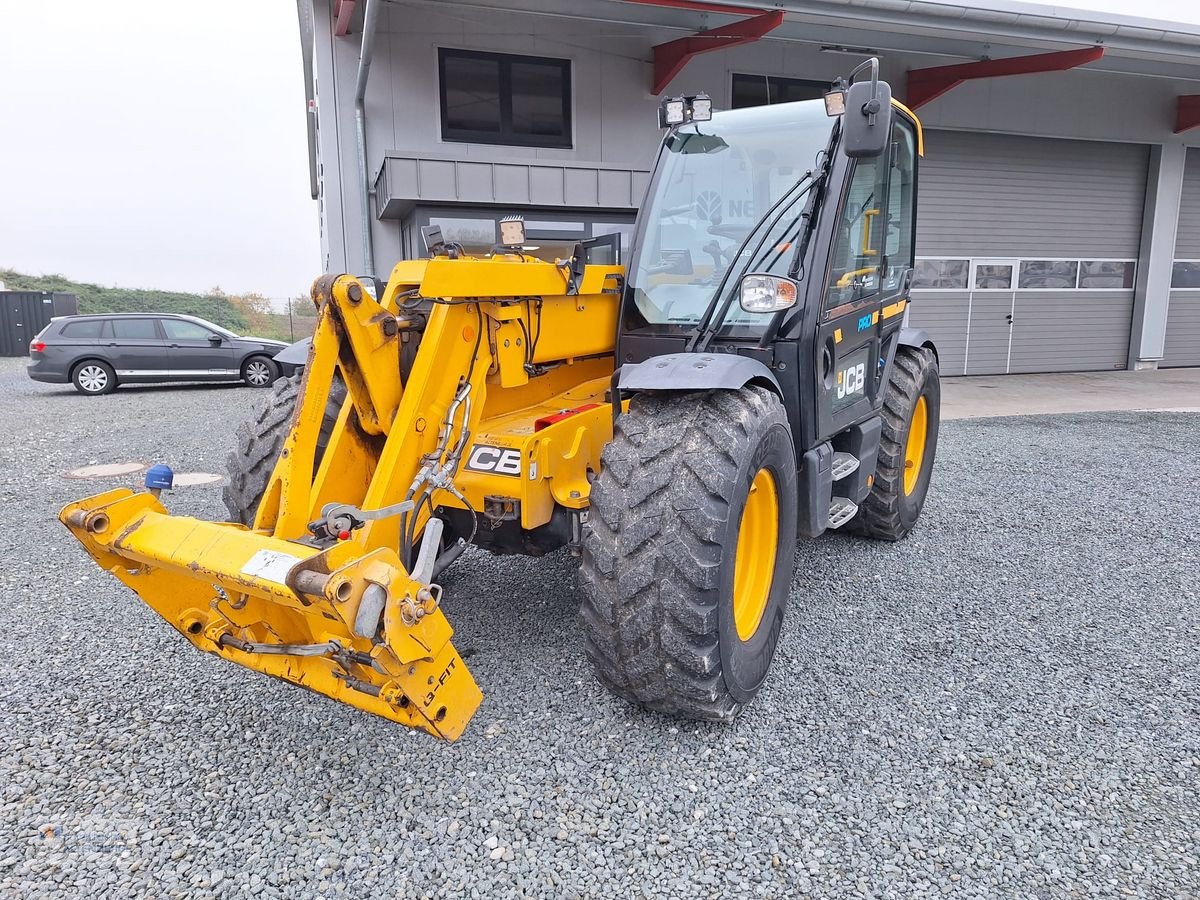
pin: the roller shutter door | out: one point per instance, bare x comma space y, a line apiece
1182, 346
1026, 250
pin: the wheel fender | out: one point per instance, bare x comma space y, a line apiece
696, 372
918, 338
294, 354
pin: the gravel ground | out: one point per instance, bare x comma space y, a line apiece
1007, 704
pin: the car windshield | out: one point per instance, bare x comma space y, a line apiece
714, 182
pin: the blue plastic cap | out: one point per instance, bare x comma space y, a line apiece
160, 477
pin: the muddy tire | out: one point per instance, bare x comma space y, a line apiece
688, 552
260, 440
911, 416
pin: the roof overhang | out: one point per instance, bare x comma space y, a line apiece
948, 32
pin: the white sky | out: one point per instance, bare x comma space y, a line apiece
156, 143
161, 143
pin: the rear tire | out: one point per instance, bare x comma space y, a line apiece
260, 440
903, 470
93, 378
671, 618
260, 371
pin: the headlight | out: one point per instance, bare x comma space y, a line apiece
701, 108
767, 293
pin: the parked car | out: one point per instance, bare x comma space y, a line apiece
97, 353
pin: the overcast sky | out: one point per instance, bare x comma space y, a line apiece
161, 143
156, 143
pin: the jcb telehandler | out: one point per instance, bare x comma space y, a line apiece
678, 423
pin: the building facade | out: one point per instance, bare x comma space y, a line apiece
1059, 202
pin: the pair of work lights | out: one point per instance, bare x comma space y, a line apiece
679, 110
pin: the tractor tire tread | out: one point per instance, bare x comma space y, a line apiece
260, 440
651, 557
879, 515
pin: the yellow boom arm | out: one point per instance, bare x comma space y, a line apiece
329, 590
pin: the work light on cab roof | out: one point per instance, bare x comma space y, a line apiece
679, 110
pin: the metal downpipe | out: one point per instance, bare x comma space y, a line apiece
304, 12
370, 17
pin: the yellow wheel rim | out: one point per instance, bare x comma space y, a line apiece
914, 448
757, 547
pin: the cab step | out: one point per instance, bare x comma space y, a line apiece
844, 464
841, 511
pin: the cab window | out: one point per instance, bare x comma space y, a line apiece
873, 245
902, 205
859, 237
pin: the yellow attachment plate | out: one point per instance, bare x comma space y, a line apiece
231, 591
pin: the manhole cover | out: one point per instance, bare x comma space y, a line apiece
191, 479
107, 470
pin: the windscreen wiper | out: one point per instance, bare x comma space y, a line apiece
701, 333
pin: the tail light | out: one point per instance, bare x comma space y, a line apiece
37, 346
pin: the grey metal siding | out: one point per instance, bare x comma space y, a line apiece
1006, 196
944, 316
1071, 331
1003, 195
1182, 347
1187, 238
407, 180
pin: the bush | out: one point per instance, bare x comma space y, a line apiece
214, 306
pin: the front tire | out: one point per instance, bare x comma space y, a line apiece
93, 377
911, 415
260, 440
260, 371
688, 552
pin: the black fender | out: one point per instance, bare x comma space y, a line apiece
917, 338
696, 372
295, 354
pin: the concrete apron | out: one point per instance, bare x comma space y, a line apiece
1164, 390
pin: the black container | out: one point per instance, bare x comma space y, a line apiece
24, 313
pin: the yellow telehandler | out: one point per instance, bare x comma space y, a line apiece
678, 423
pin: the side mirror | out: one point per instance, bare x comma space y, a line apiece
215, 340
867, 116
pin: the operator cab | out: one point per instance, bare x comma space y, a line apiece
783, 233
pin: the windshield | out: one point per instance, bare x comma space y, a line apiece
714, 182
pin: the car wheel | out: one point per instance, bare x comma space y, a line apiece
94, 377
259, 371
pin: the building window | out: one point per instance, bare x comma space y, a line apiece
1185, 274
941, 275
1058, 274
993, 276
1105, 274
763, 90
1031, 274
497, 98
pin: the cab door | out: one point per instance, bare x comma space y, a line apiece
867, 284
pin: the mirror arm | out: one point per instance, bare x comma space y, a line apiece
872, 106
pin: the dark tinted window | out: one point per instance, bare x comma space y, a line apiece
181, 330
763, 90
497, 98
140, 329
82, 329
